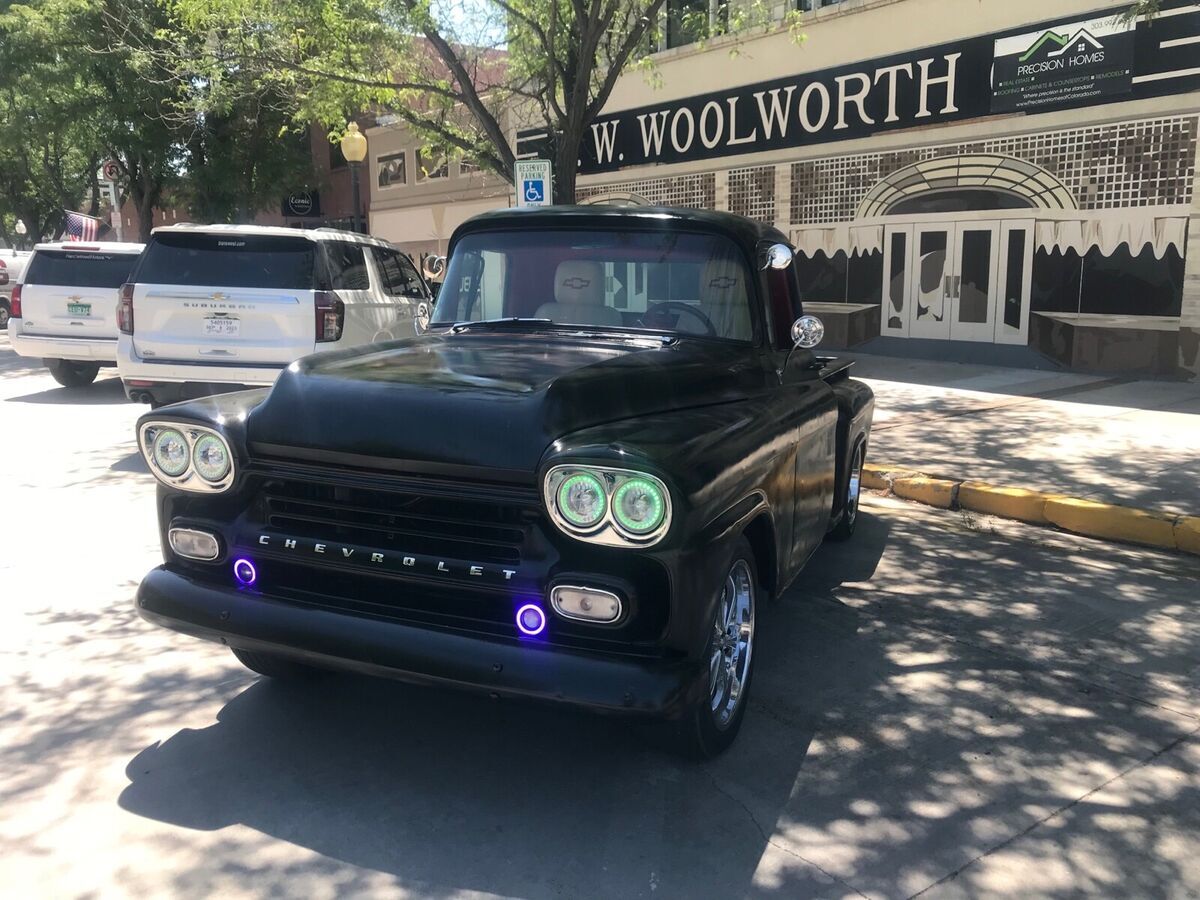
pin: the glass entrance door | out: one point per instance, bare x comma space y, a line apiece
948, 286
972, 281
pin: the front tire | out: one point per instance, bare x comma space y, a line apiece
713, 722
849, 520
275, 666
72, 374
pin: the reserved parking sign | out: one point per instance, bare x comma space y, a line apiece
533, 183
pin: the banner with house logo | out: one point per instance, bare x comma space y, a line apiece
1069, 62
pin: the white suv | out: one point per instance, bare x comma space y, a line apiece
64, 307
220, 307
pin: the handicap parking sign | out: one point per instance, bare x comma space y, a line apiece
533, 186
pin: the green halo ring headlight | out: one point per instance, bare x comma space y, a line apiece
582, 500
170, 452
639, 506
210, 456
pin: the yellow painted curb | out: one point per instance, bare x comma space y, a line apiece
1187, 533
875, 478
1105, 520
1008, 503
932, 491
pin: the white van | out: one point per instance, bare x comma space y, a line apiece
221, 307
64, 307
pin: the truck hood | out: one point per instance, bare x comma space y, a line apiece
488, 400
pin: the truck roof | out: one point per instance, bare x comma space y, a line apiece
746, 232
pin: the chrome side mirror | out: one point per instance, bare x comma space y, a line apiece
807, 331
433, 266
421, 317
777, 256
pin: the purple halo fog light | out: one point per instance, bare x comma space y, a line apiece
244, 571
531, 620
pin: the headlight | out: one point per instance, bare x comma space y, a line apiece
170, 452
615, 507
211, 457
639, 505
187, 457
581, 499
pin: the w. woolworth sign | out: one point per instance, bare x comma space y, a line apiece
1078, 62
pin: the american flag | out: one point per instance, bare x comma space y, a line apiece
81, 227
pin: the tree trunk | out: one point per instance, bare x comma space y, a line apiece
566, 168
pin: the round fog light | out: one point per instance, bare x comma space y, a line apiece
585, 604
194, 544
244, 571
531, 620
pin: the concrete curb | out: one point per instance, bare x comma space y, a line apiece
1087, 517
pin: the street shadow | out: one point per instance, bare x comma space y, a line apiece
103, 392
11, 363
450, 792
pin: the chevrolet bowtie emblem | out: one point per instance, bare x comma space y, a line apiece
576, 283
218, 296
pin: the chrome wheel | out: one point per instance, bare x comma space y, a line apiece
854, 484
732, 644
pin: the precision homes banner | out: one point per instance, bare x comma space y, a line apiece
1051, 65
1075, 61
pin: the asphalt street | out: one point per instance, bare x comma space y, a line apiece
947, 706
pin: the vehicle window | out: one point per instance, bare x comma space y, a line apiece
233, 260
660, 281
347, 266
400, 278
80, 268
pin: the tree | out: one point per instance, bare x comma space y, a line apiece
462, 77
48, 139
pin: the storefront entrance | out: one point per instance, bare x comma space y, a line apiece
958, 280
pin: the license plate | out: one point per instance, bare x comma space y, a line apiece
224, 327
79, 309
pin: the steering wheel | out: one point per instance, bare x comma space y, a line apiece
695, 311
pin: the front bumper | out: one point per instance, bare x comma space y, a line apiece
526, 669
89, 349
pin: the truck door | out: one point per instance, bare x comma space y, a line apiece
815, 414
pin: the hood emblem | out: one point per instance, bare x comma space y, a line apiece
397, 562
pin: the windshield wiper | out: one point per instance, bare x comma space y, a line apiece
499, 323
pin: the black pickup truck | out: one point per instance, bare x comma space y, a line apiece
609, 448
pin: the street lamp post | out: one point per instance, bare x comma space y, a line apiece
354, 148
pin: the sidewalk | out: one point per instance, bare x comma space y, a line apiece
1116, 440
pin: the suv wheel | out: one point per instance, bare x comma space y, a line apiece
5, 314
713, 722
275, 666
72, 374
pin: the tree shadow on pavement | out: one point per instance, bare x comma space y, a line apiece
932, 704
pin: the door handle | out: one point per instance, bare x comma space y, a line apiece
957, 285
947, 286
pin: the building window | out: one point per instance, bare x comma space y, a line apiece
687, 22
431, 165
392, 170
810, 5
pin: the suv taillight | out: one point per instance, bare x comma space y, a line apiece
125, 309
331, 316
15, 305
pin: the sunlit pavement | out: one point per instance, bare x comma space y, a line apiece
946, 705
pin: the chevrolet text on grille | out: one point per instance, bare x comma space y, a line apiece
323, 548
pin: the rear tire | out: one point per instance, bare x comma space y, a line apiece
275, 666
712, 723
5, 315
849, 520
72, 374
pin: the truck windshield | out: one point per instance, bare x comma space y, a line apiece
664, 281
